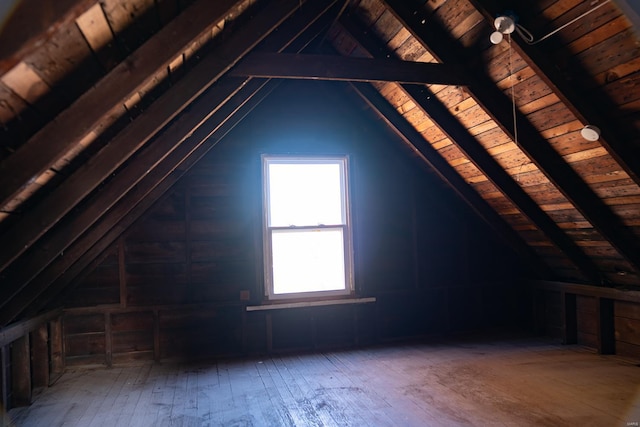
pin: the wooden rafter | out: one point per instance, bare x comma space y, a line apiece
407, 133
294, 36
341, 68
585, 108
440, 43
135, 203
70, 192
75, 123
460, 136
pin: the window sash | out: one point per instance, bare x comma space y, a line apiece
318, 266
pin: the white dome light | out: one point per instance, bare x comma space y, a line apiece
590, 133
496, 37
503, 25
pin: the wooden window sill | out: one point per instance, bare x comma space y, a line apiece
316, 303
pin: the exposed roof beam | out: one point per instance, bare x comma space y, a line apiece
110, 93
589, 109
294, 35
71, 191
460, 136
414, 140
341, 68
58, 275
440, 43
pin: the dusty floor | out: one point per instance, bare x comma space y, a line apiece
514, 382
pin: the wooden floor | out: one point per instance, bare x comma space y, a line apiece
514, 382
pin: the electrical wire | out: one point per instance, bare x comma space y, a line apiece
513, 104
529, 39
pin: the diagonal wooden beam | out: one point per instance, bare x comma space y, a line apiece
294, 35
415, 141
440, 43
136, 202
342, 68
76, 122
89, 176
591, 109
467, 143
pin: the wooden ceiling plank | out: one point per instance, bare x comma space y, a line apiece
448, 174
579, 101
32, 23
161, 178
66, 64
136, 202
467, 143
295, 35
96, 31
39, 220
531, 142
52, 141
342, 68
26, 83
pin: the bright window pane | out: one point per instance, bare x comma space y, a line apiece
307, 261
305, 194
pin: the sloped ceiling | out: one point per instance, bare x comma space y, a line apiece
104, 105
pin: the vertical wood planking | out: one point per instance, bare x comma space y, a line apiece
56, 343
156, 336
269, 325
606, 327
108, 339
5, 376
122, 272
569, 319
20, 372
187, 243
40, 356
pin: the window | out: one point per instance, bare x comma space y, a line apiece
307, 233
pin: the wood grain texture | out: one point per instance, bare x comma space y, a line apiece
92, 106
498, 381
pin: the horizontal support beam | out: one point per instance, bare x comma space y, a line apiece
343, 68
587, 290
15, 331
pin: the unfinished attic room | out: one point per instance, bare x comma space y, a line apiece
319, 213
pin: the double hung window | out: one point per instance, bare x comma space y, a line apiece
307, 231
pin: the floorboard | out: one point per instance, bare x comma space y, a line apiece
498, 382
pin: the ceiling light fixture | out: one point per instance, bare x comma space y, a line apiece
590, 133
503, 25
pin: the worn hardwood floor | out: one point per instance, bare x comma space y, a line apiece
514, 382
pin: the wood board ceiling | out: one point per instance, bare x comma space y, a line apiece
104, 105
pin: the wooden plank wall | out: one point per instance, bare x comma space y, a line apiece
605, 319
30, 359
178, 282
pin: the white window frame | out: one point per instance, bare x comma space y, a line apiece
267, 230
